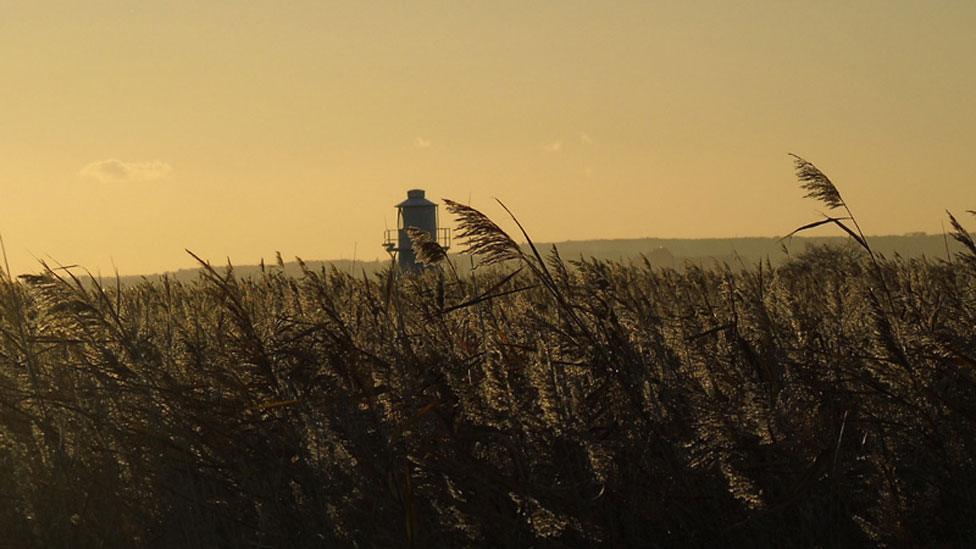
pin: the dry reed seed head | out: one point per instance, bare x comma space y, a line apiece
481, 236
424, 247
961, 235
816, 183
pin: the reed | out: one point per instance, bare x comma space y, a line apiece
534, 402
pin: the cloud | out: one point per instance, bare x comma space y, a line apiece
117, 171
554, 147
421, 143
585, 138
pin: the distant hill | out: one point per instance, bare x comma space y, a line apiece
747, 250
661, 252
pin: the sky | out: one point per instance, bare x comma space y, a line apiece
130, 131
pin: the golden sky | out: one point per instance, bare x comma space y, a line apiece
132, 130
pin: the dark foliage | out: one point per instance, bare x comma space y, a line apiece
596, 403
607, 404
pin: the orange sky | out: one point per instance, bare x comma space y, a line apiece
132, 130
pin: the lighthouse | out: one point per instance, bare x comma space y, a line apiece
418, 212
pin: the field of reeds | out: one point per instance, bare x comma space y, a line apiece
829, 401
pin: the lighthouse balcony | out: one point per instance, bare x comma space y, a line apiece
391, 239
444, 238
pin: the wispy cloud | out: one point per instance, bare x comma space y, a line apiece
553, 147
585, 138
421, 143
117, 171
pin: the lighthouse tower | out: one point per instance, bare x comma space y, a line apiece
416, 211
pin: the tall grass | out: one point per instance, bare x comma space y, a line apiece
579, 403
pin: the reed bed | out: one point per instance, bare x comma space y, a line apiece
826, 402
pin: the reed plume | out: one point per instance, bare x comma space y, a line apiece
820, 187
481, 236
425, 248
961, 235
817, 184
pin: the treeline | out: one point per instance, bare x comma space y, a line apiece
661, 252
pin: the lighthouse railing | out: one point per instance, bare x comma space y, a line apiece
390, 237
444, 237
